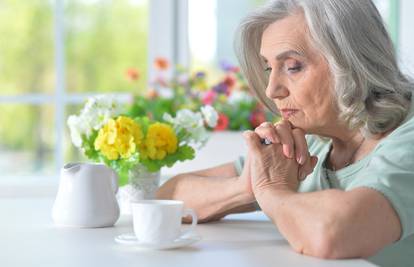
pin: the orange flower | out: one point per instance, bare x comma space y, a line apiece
152, 94
132, 74
161, 63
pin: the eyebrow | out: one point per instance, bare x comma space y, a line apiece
286, 54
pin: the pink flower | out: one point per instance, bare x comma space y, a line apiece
209, 97
161, 81
235, 69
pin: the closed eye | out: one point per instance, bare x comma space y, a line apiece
295, 69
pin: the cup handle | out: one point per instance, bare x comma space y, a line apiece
194, 221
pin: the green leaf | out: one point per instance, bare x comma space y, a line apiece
183, 153
88, 146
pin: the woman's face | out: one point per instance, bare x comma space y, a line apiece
299, 77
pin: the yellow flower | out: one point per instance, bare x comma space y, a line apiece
159, 142
119, 138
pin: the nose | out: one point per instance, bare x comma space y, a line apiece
276, 88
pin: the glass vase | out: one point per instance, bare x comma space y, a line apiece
142, 184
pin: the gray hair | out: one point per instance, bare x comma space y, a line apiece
371, 92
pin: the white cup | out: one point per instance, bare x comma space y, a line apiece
159, 221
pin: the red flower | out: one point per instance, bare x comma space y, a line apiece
161, 63
230, 81
257, 118
132, 74
222, 122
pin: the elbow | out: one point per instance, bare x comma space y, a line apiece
325, 247
326, 243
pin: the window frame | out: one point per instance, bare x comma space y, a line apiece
169, 42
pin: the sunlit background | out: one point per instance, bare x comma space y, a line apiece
54, 54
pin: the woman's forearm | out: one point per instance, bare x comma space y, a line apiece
302, 218
211, 197
333, 223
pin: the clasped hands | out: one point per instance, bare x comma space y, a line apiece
278, 163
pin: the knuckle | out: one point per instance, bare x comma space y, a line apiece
298, 131
279, 127
285, 123
265, 124
248, 134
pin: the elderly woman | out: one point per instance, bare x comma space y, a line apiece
336, 175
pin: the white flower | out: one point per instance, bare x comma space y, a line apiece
238, 97
210, 115
94, 115
75, 132
193, 125
198, 137
188, 119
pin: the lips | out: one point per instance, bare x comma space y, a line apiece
287, 113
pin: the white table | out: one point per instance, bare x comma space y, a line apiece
29, 238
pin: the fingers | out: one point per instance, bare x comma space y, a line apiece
293, 140
307, 168
301, 147
284, 130
266, 130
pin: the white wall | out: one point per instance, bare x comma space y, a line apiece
168, 33
406, 36
222, 147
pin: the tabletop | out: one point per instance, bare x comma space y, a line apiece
28, 237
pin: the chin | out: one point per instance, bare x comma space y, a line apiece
299, 124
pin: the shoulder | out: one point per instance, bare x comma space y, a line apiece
399, 144
390, 171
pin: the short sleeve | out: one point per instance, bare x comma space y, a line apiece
238, 165
391, 172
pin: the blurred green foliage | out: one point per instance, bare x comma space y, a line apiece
102, 40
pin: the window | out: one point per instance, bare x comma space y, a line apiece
212, 25
55, 55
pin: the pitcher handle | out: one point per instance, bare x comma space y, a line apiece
114, 181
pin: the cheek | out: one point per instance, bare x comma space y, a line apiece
315, 101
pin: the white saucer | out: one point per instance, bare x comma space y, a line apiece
131, 240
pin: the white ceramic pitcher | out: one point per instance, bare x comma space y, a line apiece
86, 196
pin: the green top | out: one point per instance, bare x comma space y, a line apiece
389, 169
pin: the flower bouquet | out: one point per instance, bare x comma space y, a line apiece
107, 132
237, 108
